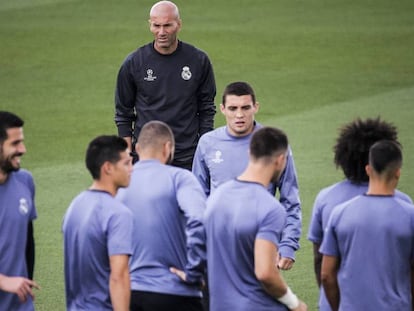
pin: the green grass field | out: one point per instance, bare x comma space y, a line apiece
314, 65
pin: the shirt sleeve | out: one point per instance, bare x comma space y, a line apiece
192, 202
125, 94
329, 244
289, 197
120, 232
206, 94
272, 225
315, 233
200, 169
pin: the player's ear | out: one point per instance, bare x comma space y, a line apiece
256, 107
138, 148
106, 168
179, 24
398, 174
222, 108
368, 170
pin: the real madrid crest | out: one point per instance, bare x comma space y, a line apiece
186, 73
23, 206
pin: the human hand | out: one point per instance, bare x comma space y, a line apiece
180, 273
302, 307
20, 286
285, 263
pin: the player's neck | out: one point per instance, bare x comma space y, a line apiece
256, 173
380, 188
101, 185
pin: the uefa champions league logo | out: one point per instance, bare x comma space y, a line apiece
150, 75
186, 73
217, 157
23, 206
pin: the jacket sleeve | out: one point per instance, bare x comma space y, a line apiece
200, 169
192, 202
205, 95
289, 197
125, 94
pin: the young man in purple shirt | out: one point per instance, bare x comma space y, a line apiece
244, 226
368, 248
17, 211
167, 204
222, 154
351, 155
97, 232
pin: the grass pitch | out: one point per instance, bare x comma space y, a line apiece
315, 65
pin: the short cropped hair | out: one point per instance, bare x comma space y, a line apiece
238, 89
105, 148
154, 134
268, 142
385, 157
8, 120
352, 145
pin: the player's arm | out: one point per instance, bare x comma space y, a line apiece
200, 169
329, 279
20, 286
289, 197
205, 96
317, 262
119, 283
125, 95
265, 268
192, 202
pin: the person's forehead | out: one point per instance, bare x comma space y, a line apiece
235, 100
162, 20
14, 133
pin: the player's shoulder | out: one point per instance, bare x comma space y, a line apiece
23, 176
139, 53
214, 135
188, 47
403, 196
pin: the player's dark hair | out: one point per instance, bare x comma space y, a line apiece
8, 120
153, 133
353, 143
102, 149
385, 156
238, 89
267, 142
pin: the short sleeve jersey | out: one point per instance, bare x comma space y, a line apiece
374, 238
237, 214
17, 209
95, 227
167, 204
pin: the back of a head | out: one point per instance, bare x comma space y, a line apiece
105, 148
353, 144
154, 134
268, 142
239, 89
8, 120
385, 157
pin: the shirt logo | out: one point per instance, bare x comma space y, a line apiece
150, 75
217, 157
23, 206
186, 73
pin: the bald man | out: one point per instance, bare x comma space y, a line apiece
168, 205
167, 80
